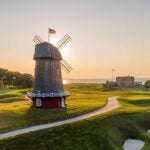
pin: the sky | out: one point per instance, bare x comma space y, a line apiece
106, 35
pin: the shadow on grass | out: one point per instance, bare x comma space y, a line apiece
139, 102
35, 116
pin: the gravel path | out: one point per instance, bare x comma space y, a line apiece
111, 104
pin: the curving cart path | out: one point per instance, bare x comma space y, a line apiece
111, 104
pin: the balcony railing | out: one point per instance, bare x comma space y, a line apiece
39, 94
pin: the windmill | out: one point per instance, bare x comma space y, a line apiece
48, 90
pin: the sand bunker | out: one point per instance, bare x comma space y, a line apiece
133, 144
148, 131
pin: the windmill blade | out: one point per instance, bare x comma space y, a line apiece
64, 44
63, 41
37, 39
60, 44
40, 39
66, 66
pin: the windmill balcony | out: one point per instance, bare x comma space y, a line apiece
39, 94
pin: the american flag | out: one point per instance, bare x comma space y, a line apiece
51, 31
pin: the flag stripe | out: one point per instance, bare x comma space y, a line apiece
52, 31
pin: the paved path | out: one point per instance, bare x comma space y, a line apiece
111, 104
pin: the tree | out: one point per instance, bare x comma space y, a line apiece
27, 80
147, 84
10, 79
3, 72
3, 76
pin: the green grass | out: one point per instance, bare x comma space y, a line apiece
15, 111
102, 132
2, 91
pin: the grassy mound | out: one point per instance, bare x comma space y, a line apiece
8, 95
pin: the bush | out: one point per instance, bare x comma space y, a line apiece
109, 85
147, 84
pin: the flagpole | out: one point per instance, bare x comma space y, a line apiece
50, 31
48, 35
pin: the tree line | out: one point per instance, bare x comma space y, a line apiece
10, 79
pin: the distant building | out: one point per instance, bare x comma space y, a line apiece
125, 81
138, 84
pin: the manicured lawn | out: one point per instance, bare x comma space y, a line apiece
103, 132
2, 91
15, 111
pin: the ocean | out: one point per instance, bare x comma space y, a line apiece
68, 81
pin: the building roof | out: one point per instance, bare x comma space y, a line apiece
123, 78
46, 50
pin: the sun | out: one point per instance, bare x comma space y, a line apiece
65, 81
54, 40
64, 51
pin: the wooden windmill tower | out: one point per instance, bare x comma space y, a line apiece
48, 90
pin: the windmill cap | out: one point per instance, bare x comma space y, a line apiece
46, 50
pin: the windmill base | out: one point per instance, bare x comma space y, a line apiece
48, 102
